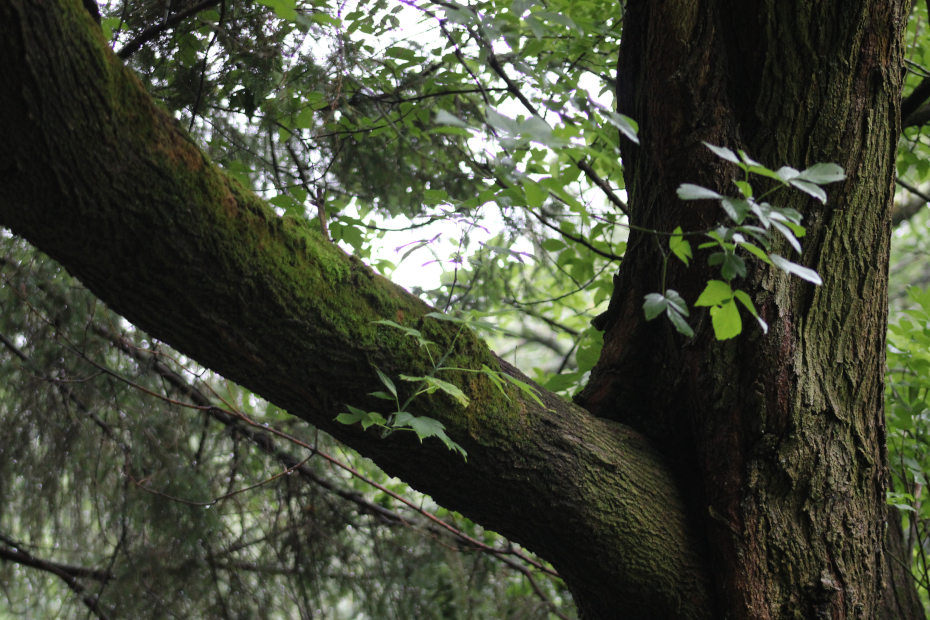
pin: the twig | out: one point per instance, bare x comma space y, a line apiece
153, 31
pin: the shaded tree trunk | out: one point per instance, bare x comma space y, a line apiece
778, 439
773, 446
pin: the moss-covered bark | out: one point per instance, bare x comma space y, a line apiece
96, 175
780, 439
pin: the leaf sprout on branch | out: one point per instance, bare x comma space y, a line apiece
755, 224
401, 419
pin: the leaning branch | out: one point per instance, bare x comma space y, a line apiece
105, 182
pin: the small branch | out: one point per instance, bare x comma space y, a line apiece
152, 32
575, 238
911, 208
61, 571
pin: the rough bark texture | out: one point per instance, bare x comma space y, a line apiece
93, 173
780, 439
777, 440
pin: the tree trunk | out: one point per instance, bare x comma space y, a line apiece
779, 439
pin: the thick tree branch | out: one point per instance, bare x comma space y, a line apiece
108, 184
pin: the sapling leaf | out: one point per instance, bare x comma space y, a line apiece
679, 322
655, 305
386, 381
733, 266
810, 188
744, 299
675, 301
402, 419
451, 444
749, 161
789, 235
763, 171
744, 188
687, 191
408, 330
680, 246
433, 384
723, 153
821, 174
726, 320
495, 379
425, 426
445, 317
786, 173
372, 418
381, 395
350, 418
525, 388
802, 272
715, 293
736, 209
755, 251
625, 124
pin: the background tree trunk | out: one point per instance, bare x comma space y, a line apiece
779, 439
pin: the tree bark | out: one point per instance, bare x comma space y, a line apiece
779, 439
107, 184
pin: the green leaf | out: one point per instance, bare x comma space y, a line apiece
552, 245
381, 395
756, 251
744, 188
736, 208
559, 383
535, 195
675, 301
495, 379
625, 124
787, 234
821, 174
715, 293
425, 427
589, 352
655, 305
386, 381
433, 384
446, 118
786, 173
679, 322
810, 188
687, 191
744, 299
354, 415
802, 272
726, 321
348, 418
680, 246
723, 153
373, 418
525, 388
285, 9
